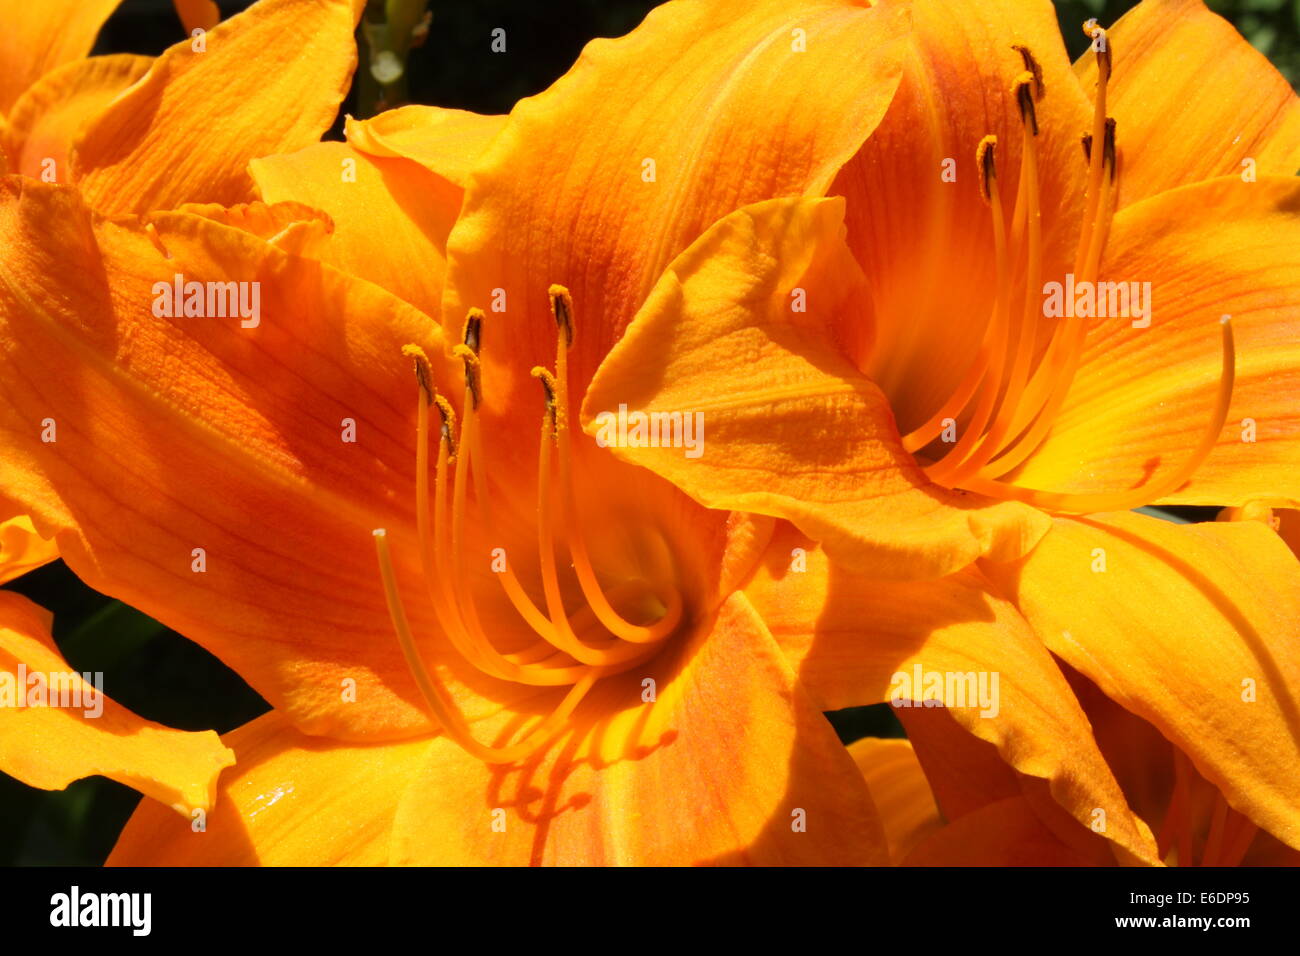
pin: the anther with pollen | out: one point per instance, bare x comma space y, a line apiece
984, 161
1032, 66
562, 309
468, 354
1024, 92
550, 388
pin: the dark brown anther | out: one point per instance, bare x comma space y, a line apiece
474, 330
550, 389
984, 159
1032, 66
423, 375
1108, 155
562, 309
1025, 100
448, 428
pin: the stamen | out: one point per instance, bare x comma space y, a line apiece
974, 447
1109, 160
927, 432
562, 307
423, 524
472, 335
451, 721
448, 431
462, 631
466, 602
1151, 491
1101, 45
560, 657
1055, 374
468, 353
954, 470
615, 654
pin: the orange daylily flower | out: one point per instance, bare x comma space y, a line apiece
833, 418
1019, 418
285, 513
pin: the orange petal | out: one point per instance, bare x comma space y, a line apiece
195, 432
1153, 771
927, 242
1191, 627
446, 142
736, 765
391, 216
38, 37
790, 427
899, 790
1142, 760
1143, 396
198, 14
967, 774
290, 226
1285, 521
964, 772
1006, 833
291, 800
854, 641
1192, 100
22, 549
49, 116
56, 726
601, 180
268, 81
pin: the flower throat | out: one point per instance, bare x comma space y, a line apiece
557, 656
1009, 407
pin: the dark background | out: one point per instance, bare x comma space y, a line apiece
164, 677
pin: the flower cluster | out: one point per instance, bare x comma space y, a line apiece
552, 474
